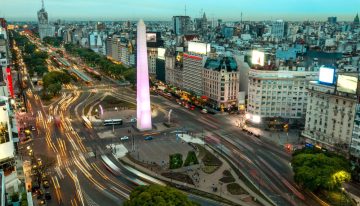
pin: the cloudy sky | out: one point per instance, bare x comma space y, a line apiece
165, 9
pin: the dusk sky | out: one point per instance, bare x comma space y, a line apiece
165, 9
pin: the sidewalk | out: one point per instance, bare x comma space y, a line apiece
280, 138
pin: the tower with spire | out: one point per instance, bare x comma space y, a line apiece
356, 20
43, 23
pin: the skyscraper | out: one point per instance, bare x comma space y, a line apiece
278, 29
332, 19
143, 90
43, 22
182, 25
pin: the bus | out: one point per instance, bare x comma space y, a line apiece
86, 121
108, 122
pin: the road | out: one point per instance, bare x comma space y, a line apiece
75, 147
78, 176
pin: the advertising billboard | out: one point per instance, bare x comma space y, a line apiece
258, 58
347, 84
326, 75
199, 48
161, 53
9, 82
151, 37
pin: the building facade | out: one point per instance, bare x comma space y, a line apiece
329, 117
355, 141
221, 82
43, 23
278, 93
181, 25
278, 29
192, 72
174, 68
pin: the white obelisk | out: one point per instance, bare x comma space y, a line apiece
142, 82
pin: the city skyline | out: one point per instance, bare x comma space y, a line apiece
22, 10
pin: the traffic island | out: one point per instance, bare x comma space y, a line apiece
189, 170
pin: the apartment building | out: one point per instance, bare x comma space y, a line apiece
330, 117
221, 82
278, 93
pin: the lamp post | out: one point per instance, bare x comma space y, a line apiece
116, 109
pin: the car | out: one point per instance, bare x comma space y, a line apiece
124, 138
32, 128
148, 138
204, 111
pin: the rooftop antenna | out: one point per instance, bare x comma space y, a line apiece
185, 9
42, 4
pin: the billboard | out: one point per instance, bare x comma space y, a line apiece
347, 84
151, 37
9, 82
198, 47
161, 53
326, 75
258, 58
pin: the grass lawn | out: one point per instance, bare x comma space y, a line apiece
227, 179
210, 161
209, 169
178, 176
235, 189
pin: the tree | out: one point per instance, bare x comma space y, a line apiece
156, 195
40, 70
317, 170
54, 89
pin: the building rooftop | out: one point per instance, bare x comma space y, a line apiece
227, 63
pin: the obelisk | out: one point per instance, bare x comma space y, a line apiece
142, 82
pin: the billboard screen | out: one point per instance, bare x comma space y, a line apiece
347, 84
9, 82
151, 37
161, 53
199, 48
326, 75
258, 58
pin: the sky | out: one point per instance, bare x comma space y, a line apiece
228, 10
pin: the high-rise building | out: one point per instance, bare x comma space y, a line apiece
227, 31
143, 89
43, 23
278, 29
332, 19
174, 68
181, 25
194, 60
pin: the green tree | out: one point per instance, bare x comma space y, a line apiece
54, 89
156, 195
40, 70
54, 41
317, 170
